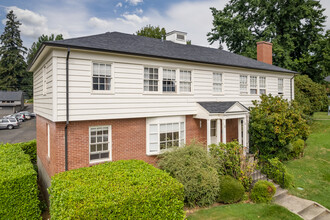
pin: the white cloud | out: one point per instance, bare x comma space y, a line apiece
119, 4
134, 19
98, 23
134, 2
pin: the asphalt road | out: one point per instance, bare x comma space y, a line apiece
25, 132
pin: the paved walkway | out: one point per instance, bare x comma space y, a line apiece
306, 209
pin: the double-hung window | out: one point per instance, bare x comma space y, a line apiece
151, 79
243, 84
169, 77
262, 85
253, 85
185, 81
165, 135
101, 77
280, 86
217, 82
100, 143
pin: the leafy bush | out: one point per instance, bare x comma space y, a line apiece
230, 160
194, 168
311, 96
297, 149
129, 189
231, 190
29, 148
18, 185
263, 192
276, 171
274, 124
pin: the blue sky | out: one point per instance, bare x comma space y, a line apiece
74, 18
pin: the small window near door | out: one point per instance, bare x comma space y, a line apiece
213, 128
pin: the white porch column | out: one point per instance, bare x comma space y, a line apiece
239, 131
218, 131
208, 129
244, 132
224, 137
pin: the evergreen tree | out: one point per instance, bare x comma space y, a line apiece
36, 45
12, 63
292, 26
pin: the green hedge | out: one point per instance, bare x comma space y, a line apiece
29, 148
275, 170
129, 189
231, 190
18, 185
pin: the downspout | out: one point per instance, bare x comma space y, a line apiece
291, 95
67, 109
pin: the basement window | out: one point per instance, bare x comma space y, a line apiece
100, 143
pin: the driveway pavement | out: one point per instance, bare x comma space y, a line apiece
25, 132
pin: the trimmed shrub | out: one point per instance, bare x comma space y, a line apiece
263, 192
274, 124
297, 149
130, 189
194, 168
275, 170
231, 190
230, 160
18, 185
29, 148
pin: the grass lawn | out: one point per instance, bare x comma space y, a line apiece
312, 172
244, 212
321, 115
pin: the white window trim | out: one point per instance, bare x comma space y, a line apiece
109, 144
176, 80
259, 88
160, 80
191, 81
222, 84
249, 85
163, 120
48, 141
278, 87
112, 82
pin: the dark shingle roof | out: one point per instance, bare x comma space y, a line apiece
218, 107
11, 96
145, 46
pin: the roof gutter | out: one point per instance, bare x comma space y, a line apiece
67, 109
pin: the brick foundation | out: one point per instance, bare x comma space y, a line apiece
128, 140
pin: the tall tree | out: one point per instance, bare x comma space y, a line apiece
12, 63
36, 45
153, 32
292, 26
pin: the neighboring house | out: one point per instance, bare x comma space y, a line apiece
120, 96
11, 102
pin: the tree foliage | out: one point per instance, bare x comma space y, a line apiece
36, 45
152, 31
311, 96
294, 27
12, 63
274, 124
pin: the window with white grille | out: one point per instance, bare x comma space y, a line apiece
101, 77
185, 81
217, 82
253, 85
243, 83
151, 79
262, 85
280, 86
169, 83
100, 143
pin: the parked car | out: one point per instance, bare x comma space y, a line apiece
20, 117
26, 114
9, 123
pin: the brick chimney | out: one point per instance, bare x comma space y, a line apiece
264, 52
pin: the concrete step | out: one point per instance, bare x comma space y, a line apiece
325, 215
311, 211
280, 193
293, 203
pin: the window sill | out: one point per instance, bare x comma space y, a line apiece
169, 93
218, 94
102, 92
93, 162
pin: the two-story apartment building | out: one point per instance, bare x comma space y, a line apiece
118, 96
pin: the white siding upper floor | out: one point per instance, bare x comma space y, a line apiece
127, 97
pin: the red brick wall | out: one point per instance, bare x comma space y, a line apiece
194, 131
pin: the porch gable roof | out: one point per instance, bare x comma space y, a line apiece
223, 107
